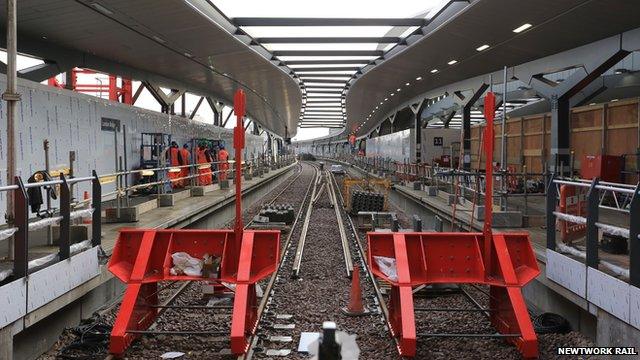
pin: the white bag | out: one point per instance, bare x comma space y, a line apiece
184, 263
387, 266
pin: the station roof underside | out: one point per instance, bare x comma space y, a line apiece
183, 41
557, 26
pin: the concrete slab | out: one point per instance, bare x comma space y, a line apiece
166, 200
431, 190
130, 214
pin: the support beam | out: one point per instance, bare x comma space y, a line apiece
328, 62
256, 21
466, 102
136, 95
560, 95
44, 71
317, 69
328, 40
195, 110
227, 119
327, 53
417, 126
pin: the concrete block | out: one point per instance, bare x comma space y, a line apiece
507, 219
431, 190
197, 191
127, 214
166, 200
77, 233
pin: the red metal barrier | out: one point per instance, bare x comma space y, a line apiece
142, 257
573, 201
504, 262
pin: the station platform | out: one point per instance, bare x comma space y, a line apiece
565, 286
53, 302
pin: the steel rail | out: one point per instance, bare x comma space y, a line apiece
268, 290
348, 262
297, 260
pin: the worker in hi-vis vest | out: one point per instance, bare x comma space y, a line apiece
175, 159
223, 158
186, 160
203, 158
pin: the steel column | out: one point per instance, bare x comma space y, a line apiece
560, 132
65, 223
11, 97
552, 199
593, 207
21, 237
634, 241
96, 203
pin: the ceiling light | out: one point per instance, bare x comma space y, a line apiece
419, 78
452, 62
385, 99
159, 39
483, 47
592, 104
380, 102
407, 84
522, 28
102, 9
398, 89
614, 100
434, 71
393, 94
620, 71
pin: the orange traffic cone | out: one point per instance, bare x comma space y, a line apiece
86, 219
355, 308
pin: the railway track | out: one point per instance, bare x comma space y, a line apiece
314, 282
200, 326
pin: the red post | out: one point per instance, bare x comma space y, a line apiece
238, 144
489, 114
113, 88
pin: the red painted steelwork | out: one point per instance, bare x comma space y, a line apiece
504, 262
142, 257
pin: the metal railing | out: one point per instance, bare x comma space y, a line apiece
596, 191
467, 184
20, 226
70, 210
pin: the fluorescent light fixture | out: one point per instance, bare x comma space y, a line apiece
419, 78
159, 39
398, 89
385, 99
614, 100
101, 8
393, 94
452, 62
407, 84
522, 28
483, 47
434, 71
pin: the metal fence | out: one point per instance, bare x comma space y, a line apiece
70, 209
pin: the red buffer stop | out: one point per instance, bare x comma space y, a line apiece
505, 262
142, 258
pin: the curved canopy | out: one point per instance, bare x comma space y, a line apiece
452, 52
184, 41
